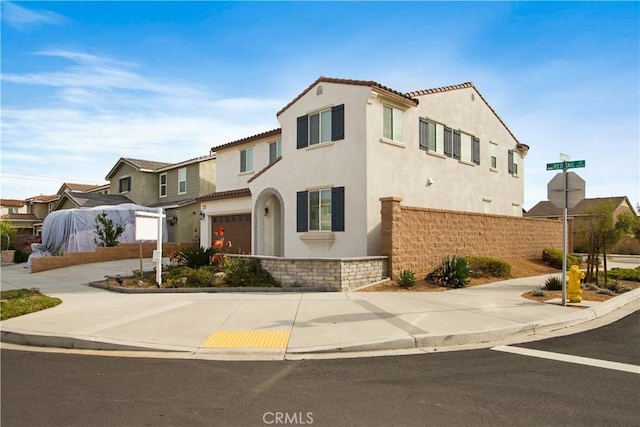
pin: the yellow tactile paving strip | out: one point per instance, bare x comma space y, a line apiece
247, 339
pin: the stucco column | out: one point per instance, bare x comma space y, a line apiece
391, 215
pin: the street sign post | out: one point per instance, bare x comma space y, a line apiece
565, 190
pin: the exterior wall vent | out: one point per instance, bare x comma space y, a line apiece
319, 90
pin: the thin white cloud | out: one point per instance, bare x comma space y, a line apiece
97, 110
21, 18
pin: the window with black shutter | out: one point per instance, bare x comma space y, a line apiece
319, 127
337, 209
423, 134
475, 150
457, 145
448, 141
302, 216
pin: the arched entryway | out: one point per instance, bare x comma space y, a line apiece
269, 223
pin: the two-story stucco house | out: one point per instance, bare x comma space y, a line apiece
172, 186
313, 187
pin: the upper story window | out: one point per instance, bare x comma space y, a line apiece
513, 162
124, 184
392, 123
163, 185
429, 139
320, 210
322, 126
494, 155
275, 151
246, 160
12, 210
182, 180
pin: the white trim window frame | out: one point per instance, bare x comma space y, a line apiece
494, 155
320, 127
320, 210
182, 181
162, 185
246, 160
392, 123
275, 151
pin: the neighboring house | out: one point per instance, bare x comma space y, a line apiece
17, 212
172, 186
40, 206
312, 188
12, 206
546, 209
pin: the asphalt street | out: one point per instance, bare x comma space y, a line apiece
475, 387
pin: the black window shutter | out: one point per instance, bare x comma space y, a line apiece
337, 209
424, 134
448, 141
337, 123
120, 186
475, 150
303, 131
302, 216
457, 145
510, 159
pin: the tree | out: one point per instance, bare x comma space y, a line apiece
602, 230
7, 231
108, 232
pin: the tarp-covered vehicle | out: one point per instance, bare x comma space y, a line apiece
74, 230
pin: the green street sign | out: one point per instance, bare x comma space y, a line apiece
566, 165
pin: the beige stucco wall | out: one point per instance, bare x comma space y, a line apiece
144, 185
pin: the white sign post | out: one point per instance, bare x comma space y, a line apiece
149, 226
565, 191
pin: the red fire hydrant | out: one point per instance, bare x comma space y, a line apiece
573, 289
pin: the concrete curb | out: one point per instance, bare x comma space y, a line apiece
28, 338
122, 290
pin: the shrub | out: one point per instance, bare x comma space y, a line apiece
539, 292
632, 274
249, 272
20, 256
553, 283
484, 266
407, 279
199, 277
553, 257
196, 257
108, 231
453, 272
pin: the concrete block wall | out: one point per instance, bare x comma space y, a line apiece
122, 251
337, 274
418, 238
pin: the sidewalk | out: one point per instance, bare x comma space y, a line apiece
277, 325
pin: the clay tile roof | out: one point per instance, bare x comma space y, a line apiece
145, 164
225, 195
12, 203
371, 83
267, 134
44, 198
465, 85
79, 187
20, 217
547, 209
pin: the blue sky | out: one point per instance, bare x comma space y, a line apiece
85, 83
